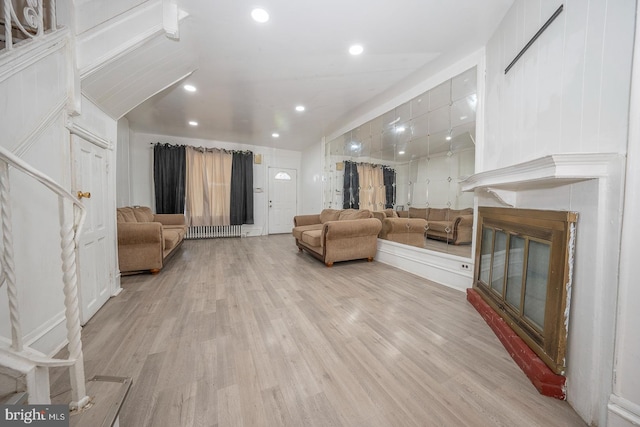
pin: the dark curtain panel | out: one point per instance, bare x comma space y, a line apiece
389, 176
242, 188
169, 166
351, 188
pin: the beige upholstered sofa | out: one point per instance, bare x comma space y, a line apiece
147, 240
453, 226
338, 235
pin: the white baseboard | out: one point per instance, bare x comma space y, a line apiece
249, 230
49, 337
622, 412
446, 269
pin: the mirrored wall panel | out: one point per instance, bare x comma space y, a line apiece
407, 165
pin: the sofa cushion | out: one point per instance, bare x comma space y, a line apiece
354, 214
126, 215
436, 214
312, 237
390, 213
297, 231
143, 214
329, 215
171, 238
180, 229
440, 226
418, 213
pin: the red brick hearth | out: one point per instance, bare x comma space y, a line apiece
543, 378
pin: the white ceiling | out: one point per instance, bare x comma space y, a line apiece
251, 76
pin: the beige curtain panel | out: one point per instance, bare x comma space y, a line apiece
208, 186
372, 191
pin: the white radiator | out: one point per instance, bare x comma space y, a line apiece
213, 231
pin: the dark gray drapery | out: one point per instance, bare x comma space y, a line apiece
169, 166
242, 188
351, 188
389, 177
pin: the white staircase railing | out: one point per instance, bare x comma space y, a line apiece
72, 214
37, 17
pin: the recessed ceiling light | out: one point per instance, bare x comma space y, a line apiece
275, 135
260, 15
189, 88
300, 108
193, 123
356, 49
401, 152
448, 138
400, 129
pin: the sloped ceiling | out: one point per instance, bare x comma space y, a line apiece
139, 74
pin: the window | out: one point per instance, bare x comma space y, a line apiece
522, 272
283, 176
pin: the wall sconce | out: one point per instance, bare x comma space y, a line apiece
339, 166
257, 159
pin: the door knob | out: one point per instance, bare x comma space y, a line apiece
86, 195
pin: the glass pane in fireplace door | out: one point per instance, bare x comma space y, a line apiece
499, 256
515, 271
536, 284
485, 254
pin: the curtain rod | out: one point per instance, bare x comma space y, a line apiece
202, 148
365, 163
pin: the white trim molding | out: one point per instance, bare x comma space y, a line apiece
624, 409
45, 123
15, 60
87, 135
544, 172
147, 18
443, 268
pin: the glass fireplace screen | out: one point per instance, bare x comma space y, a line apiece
522, 271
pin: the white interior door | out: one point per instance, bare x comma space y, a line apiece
91, 169
283, 199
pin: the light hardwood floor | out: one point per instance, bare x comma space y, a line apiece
250, 332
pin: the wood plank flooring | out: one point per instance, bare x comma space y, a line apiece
250, 332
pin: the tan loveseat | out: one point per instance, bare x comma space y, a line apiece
338, 235
146, 240
409, 231
451, 225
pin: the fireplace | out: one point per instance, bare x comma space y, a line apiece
523, 269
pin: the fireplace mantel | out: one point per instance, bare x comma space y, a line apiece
545, 172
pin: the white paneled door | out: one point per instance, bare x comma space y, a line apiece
283, 190
91, 170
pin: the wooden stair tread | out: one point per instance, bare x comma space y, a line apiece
107, 396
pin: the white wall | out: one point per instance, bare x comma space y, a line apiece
141, 172
624, 403
569, 93
91, 13
311, 178
123, 189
